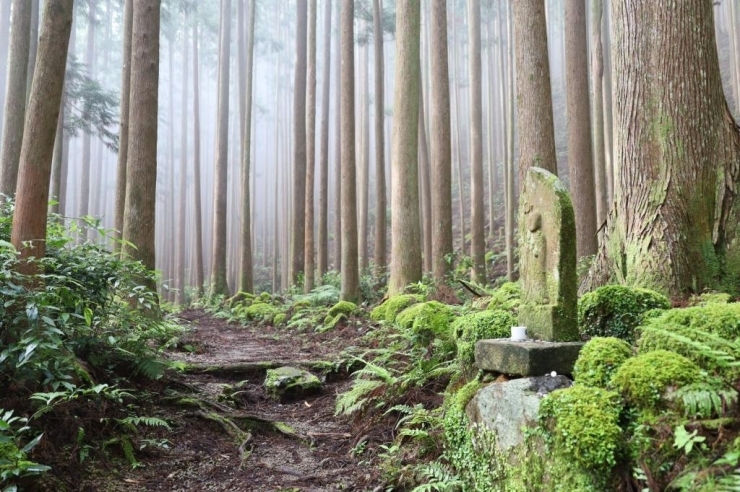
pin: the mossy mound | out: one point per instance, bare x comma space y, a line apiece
599, 360
279, 319
506, 297
584, 424
260, 311
300, 305
646, 379
342, 307
710, 298
615, 310
388, 310
427, 320
468, 329
289, 383
719, 319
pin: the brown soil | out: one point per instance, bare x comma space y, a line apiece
203, 455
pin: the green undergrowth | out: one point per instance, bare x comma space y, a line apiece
73, 337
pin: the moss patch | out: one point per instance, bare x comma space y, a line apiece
470, 328
394, 305
426, 320
599, 360
506, 297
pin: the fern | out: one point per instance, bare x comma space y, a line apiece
150, 367
353, 400
439, 478
133, 423
705, 400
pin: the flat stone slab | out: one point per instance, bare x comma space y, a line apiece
528, 358
510, 407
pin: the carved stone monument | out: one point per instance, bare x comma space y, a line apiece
547, 266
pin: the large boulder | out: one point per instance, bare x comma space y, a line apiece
289, 383
506, 408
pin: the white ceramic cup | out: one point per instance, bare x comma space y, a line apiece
518, 333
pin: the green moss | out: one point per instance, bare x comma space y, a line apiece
342, 307
645, 379
470, 328
711, 298
265, 297
506, 297
583, 423
290, 382
300, 305
599, 360
331, 322
259, 311
615, 310
279, 319
719, 319
394, 305
427, 320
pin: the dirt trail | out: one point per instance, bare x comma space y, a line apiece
313, 454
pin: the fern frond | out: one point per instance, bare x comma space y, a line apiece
352, 400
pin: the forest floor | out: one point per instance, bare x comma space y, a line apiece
248, 441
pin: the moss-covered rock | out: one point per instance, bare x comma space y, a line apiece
615, 310
388, 310
506, 297
584, 424
342, 307
719, 319
279, 319
645, 380
427, 320
331, 322
265, 297
710, 298
468, 329
289, 383
599, 360
260, 311
300, 305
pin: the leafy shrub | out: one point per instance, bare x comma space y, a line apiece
506, 297
388, 310
583, 422
615, 310
599, 360
427, 321
645, 379
470, 328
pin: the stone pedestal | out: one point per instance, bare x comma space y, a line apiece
529, 358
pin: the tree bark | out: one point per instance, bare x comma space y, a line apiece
308, 247
580, 159
32, 47
510, 201
350, 271
198, 277
406, 265
533, 90
298, 228
29, 220
441, 144
675, 219
57, 158
380, 186
322, 242
220, 190
141, 175
15, 96
83, 208
425, 186
246, 276
477, 206
363, 192
182, 208
597, 98
4, 48
128, 22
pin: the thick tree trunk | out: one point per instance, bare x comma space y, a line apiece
580, 160
477, 206
405, 226
338, 145
182, 208
380, 201
298, 228
308, 246
128, 22
198, 277
675, 216
220, 182
246, 277
425, 187
597, 98
4, 47
441, 143
29, 220
141, 175
322, 242
15, 96
533, 91
350, 271
32, 47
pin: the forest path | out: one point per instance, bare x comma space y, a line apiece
246, 441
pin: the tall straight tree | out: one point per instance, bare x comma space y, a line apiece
33, 46
676, 217
380, 197
29, 220
84, 203
128, 22
533, 91
141, 175
298, 229
15, 96
308, 247
405, 225
477, 207
220, 181
597, 98
198, 277
182, 207
337, 226
4, 45
246, 277
580, 160
322, 257
350, 268
441, 143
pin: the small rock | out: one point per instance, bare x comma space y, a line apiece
290, 383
